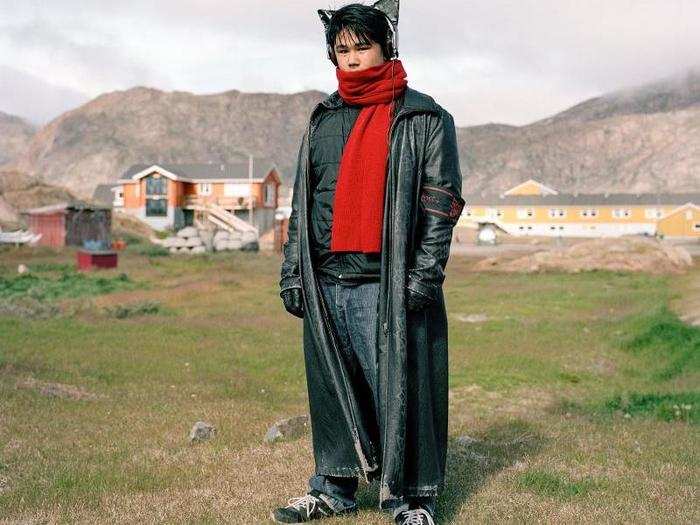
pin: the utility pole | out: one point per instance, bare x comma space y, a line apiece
250, 189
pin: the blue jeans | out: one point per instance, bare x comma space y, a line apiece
353, 311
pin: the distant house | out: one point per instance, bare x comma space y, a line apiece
70, 224
532, 208
178, 195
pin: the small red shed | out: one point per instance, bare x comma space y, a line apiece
70, 224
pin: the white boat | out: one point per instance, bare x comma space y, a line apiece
19, 237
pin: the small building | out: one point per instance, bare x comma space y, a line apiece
531, 208
684, 221
70, 224
177, 195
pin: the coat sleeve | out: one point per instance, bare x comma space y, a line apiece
440, 206
289, 273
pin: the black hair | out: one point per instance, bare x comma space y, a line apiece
367, 23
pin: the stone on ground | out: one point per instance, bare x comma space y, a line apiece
202, 431
286, 429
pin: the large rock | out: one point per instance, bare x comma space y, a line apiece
249, 237
286, 429
202, 431
250, 246
188, 231
198, 249
174, 242
207, 237
221, 235
234, 244
191, 242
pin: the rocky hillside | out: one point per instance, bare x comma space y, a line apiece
19, 191
96, 142
637, 140
15, 135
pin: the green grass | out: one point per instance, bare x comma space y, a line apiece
682, 406
68, 284
668, 346
529, 384
553, 485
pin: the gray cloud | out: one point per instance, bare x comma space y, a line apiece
497, 60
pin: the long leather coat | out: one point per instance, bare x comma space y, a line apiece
405, 446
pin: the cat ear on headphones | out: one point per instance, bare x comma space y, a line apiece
325, 15
391, 9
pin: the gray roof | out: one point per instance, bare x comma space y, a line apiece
103, 194
582, 199
235, 171
63, 207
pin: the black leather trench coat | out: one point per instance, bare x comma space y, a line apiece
405, 445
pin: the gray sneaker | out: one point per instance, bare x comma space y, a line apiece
307, 508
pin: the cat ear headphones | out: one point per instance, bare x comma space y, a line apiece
391, 43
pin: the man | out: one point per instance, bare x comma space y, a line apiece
376, 196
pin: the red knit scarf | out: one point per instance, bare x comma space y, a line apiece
358, 204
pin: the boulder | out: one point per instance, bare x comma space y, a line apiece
198, 249
251, 246
221, 235
202, 431
171, 242
191, 242
187, 231
233, 245
286, 429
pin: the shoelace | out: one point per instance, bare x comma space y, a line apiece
415, 517
308, 503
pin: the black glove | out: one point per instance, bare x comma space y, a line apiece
416, 301
293, 301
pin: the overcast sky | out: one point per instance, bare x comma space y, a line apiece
511, 61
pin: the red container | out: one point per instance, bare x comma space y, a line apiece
88, 260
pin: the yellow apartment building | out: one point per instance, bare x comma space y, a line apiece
532, 208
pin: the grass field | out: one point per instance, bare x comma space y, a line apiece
576, 400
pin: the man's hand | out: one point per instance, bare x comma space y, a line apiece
293, 302
416, 301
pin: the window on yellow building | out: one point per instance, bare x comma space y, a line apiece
525, 213
652, 213
204, 188
589, 212
557, 212
622, 213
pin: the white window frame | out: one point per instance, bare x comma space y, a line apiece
118, 198
589, 213
696, 227
494, 213
622, 213
269, 194
652, 213
689, 215
525, 213
204, 188
557, 213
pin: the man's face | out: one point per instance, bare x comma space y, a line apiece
354, 56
